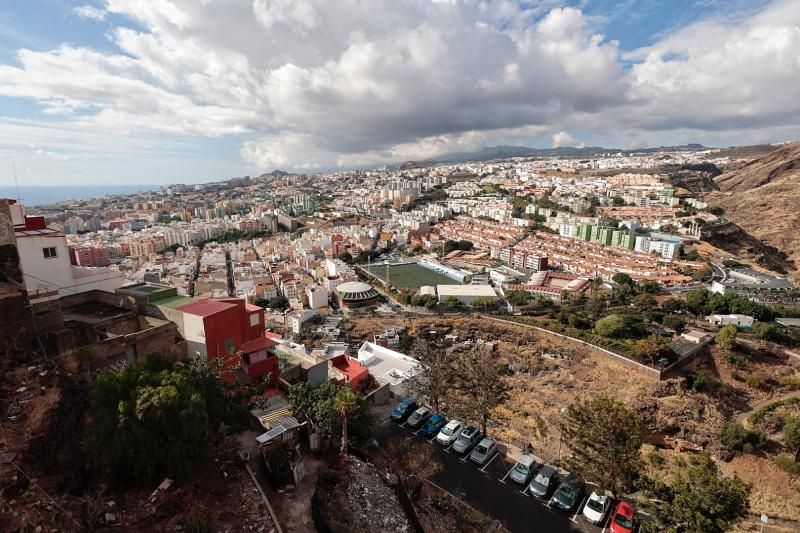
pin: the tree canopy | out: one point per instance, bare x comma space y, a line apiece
726, 338
604, 438
699, 498
153, 418
326, 406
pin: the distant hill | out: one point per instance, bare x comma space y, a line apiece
761, 197
275, 174
408, 165
489, 153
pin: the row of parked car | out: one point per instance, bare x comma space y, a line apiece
541, 480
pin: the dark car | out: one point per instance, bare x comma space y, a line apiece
468, 439
433, 426
570, 492
418, 417
544, 481
404, 409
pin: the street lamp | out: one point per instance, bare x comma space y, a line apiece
560, 432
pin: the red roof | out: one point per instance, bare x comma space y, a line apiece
205, 307
251, 308
272, 335
257, 345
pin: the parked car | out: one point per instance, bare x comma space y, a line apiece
484, 451
596, 508
418, 417
433, 426
623, 520
468, 439
544, 481
570, 492
450, 433
523, 470
404, 408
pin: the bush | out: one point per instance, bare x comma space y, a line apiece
785, 462
153, 419
766, 331
696, 381
611, 326
757, 380
738, 438
674, 322
791, 432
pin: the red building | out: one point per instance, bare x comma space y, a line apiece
348, 371
90, 256
231, 330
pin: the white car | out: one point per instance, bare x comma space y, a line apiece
596, 508
450, 433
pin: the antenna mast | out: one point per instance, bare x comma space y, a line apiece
14, 169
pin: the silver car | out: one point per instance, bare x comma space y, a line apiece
484, 451
523, 470
468, 439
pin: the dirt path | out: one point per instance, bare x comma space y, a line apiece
741, 418
293, 506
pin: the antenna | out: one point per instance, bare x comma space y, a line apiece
14, 169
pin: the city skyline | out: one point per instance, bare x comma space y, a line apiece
135, 92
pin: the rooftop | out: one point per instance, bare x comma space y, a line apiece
206, 307
387, 365
466, 290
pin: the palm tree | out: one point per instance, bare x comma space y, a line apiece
345, 401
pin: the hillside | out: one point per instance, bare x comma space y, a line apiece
761, 197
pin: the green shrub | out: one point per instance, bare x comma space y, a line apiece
696, 381
757, 380
791, 432
738, 438
786, 462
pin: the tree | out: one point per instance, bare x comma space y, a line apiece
152, 419
726, 338
766, 331
738, 438
620, 278
699, 498
644, 302
696, 301
318, 405
345, 402
611, 326
517, 297
485, 302
650, 287
604, 439
451, 302
674, 322
702, 274
674, 305
435, 377
791, 432
652, 348
279, 302
481, 384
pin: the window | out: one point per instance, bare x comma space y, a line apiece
49, 253
230, 346
255, 319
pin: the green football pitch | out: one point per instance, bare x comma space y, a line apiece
410, 276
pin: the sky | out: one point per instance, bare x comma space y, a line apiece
150, 92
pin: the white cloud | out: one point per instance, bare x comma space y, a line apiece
316, 83
562, 138
89, 13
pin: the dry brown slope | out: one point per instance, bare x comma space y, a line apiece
763, 198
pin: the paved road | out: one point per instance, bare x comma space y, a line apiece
492, 492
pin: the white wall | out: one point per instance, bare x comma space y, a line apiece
41, 273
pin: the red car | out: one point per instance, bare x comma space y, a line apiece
622, 519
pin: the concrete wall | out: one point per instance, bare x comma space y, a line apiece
379, 396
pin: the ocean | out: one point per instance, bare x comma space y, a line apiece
33, 196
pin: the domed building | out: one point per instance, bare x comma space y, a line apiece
356, 294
